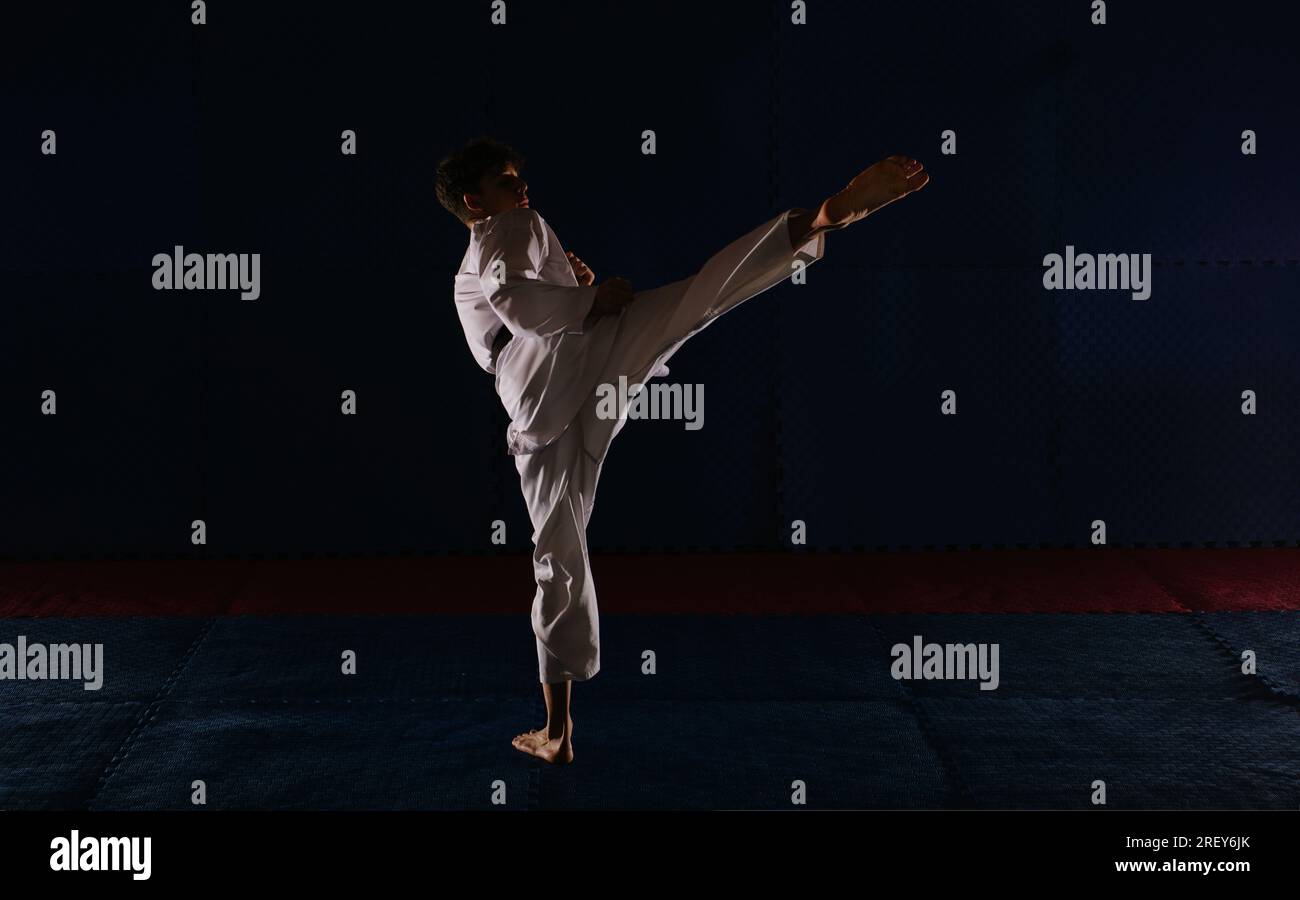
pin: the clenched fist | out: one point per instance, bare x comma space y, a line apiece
612, 295
585, 276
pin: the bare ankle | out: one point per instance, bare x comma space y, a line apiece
553, 734
820, 222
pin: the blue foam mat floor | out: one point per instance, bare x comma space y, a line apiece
739, 710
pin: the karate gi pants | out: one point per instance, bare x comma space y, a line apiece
559, 481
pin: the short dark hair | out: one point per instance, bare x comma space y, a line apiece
460, 172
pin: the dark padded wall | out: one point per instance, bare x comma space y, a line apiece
821, 400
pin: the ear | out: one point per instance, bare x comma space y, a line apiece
471, 202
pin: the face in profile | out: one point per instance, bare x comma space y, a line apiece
497, 193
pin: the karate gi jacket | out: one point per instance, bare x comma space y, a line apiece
515, 275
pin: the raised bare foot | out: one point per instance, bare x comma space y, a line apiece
888, 180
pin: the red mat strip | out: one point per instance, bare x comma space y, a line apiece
1019, 581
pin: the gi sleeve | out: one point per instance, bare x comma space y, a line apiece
514, 250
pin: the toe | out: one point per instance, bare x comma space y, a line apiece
910, 166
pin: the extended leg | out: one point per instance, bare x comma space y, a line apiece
804, 226
659, 321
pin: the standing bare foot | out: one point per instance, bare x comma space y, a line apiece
539, 735
554, 750
890, 179
539, 743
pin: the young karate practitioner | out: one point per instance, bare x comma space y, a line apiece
535, 318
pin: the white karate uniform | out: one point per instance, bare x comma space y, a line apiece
515, 275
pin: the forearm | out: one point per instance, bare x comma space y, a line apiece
538, 309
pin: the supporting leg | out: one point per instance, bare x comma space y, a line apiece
559, 721
565, 618
554, 742
557, 483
